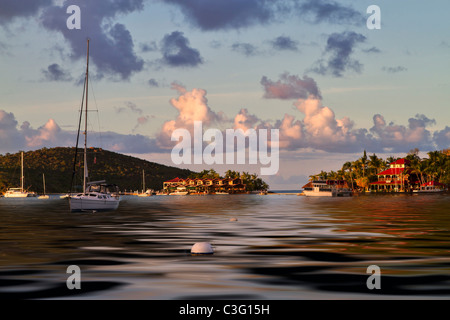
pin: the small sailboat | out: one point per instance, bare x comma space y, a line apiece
44, 196
19, 192
146, 193
96, 195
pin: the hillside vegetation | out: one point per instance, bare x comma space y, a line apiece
57, 165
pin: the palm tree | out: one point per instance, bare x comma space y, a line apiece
376, 163
434, 164
390, 159
363, 161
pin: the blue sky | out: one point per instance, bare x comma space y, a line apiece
311, 69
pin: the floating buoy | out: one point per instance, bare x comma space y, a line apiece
202, 248
233, 219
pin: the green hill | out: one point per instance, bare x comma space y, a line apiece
57, 165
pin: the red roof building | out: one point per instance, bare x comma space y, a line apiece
393, 179
205, 185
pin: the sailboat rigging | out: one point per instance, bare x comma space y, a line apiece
44, 196
19, 192
96, 195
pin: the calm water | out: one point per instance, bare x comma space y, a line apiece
280, 247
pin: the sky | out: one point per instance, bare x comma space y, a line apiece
312, 70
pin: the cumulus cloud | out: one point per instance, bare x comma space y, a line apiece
401, 137
10, 136
177, 52
112, 46
153, 83
324, 132
14, 137
226, 14
320, 128
12, 9
290, 87
50, 134
338, 50
284, 43
244, 120
238, 14
442, 138
330, 12
191, 106
55, 73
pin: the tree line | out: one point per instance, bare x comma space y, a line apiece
364, 170
251, 181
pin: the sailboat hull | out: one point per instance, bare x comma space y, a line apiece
91, 203
19, 195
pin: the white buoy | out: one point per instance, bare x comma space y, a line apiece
202, 248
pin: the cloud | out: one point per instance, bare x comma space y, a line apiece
129, 143
112, 47
321, 130
284, 43
403, 138
153, 83
239, 14
10, 137
243, 120
226, 14
372, 50
12, 9
442, 138
129, 106
394, 69
149, 47
191, 106
50, 134
177, 52
330, 12
246, 49
290, 87
339, 49
55, 73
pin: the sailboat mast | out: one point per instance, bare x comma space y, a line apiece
85, 121
21, 174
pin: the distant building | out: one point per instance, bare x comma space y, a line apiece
205, 185
396, 178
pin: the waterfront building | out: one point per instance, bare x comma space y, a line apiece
205, 185
394, 179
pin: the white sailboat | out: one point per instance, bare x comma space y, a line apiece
97, 195
19, 192
44, 196
146, 193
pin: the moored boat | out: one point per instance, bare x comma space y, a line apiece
180, 191
19, 192
431, 187
96, 196
326, 188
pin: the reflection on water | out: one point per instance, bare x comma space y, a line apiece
280, 247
